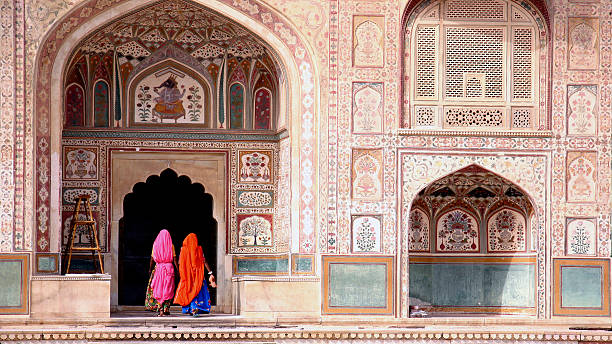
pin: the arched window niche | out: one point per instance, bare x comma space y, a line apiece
475, 67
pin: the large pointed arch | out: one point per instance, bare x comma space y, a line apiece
278, 32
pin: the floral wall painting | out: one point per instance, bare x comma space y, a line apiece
368, 43
170, 96
101, 104
419, 231
82, 235
366, 231
263, 108
367, 107
74, 107
457, 231
581, 237
254, 230
506, 231
80, 163
581, 177
236, 106
255, 166
367, 174
583, 43
582, 109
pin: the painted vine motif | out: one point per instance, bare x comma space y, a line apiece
263, 108
419, 231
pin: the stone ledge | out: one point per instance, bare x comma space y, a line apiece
73, 277
301, 333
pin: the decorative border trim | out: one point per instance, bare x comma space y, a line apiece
417, 132
183, 135
299, 333
388, 261
237, 259
24, 259
558, 309
299, 279
294, 267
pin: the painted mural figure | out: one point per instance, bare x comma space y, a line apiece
192, 292
160, 290
169, 103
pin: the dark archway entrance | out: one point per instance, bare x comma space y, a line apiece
167, 202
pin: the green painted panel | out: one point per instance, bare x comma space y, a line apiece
303, 264
581, 286
47, 263
10, 283
473, 285
358, 285
262, 265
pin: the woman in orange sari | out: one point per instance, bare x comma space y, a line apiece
192, 292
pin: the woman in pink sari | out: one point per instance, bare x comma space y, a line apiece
160, 291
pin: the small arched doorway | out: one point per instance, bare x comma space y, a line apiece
164, 201
471, 245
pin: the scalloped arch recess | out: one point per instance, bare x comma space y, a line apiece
62, 38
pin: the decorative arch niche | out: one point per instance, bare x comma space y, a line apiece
431, 173
480, 230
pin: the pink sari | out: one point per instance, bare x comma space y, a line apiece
163, 278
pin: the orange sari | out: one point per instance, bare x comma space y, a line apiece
191, 269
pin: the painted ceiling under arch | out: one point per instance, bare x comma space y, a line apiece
200, 32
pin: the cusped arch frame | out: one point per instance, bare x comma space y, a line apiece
270, 26
539, 211
538, 9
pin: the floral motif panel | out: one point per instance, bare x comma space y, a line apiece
367, 174
368, 43
419, 231
583, 43
263, 108
74, 106
581, 236
255, 167
506, 231
366, 231
101, 104
367, 107
254, 199
581, 176
80, 163
457, 231
236, 98
70, 194
582, 109
254, 230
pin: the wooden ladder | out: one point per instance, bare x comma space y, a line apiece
91, 225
